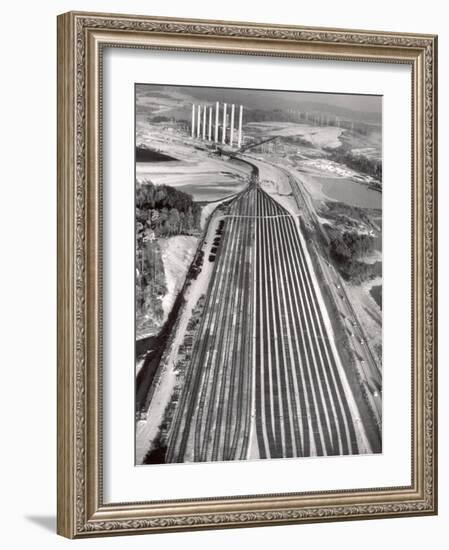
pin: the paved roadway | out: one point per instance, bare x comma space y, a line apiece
265, 379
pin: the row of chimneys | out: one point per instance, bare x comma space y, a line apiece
202, 123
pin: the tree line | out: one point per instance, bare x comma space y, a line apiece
348, 250
161, 211
371, 167
165, 211
150, 287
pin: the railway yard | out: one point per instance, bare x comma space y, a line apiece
270, 354
265, 379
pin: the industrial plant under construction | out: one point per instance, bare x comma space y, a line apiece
258, 274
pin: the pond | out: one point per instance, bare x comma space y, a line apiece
349, 191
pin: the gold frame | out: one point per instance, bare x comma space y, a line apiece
81, 37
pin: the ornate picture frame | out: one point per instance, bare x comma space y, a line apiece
82, 38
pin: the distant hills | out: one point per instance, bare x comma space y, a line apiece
352, 107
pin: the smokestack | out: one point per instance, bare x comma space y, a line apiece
198, 122
239, 141
210, 124
204, 122
193, 120
223, 134
231, 137
217, 113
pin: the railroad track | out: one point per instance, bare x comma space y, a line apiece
307, 411
265, 377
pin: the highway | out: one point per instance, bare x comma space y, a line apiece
265, 379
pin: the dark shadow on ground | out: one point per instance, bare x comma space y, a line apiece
46, 522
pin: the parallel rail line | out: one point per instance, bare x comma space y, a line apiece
265, 378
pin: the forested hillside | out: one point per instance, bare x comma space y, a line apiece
161, 211
165, 210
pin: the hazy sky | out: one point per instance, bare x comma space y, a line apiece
366, 103
369, 105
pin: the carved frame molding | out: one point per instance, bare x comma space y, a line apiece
81, 39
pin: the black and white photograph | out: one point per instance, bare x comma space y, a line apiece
224, 258
258, 274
